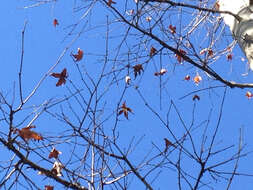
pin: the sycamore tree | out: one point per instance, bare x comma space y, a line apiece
123, 94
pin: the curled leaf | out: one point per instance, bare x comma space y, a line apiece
162, 72
196, 97
168, 144
49, 187
172, 29
179, 57
197, 79
57, 168
152, 51
26, 134
55, 22
62, 77
79, 55
148, 18
249, 95
137, 69
187, 77
110, 2
127, 79
229, 57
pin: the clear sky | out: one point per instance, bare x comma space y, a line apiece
44, 43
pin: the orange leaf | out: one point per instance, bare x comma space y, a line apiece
55, 22
197, 79
54, 153
62, 77
125, 110
49, 187
27, 134
79, 55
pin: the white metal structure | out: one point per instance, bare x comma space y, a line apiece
242, 29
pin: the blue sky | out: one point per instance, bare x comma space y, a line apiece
44, 43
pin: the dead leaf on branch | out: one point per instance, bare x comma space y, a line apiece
168, 144
55, 22
54, 153
57, 168
62, 77
124, 109
152, 51
178, 56
110, 2
27, 134
49, 187
137, 69
79, 55
195, 97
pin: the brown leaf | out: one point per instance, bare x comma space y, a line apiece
62, 77
27, 134
162, 72
178, 56
137, 69
110, 2
168, 144
55, 22
49, 187
172, 29
152, 51
57, 167
125, 110
79, 55
196, 97
54, 153
249, 94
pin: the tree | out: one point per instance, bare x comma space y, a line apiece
142, 94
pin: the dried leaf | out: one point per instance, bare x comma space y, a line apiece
187, 77
162, 72
249, 95
124, 109
152, 51
168, 144
110, 2
178, 56
62, 77
229, 57
197, 79
127, 79
137, 69
55, 22
148, 18
196, 97
49, 187
27, 134
172, 29
57, 167
54, 153
79, 55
